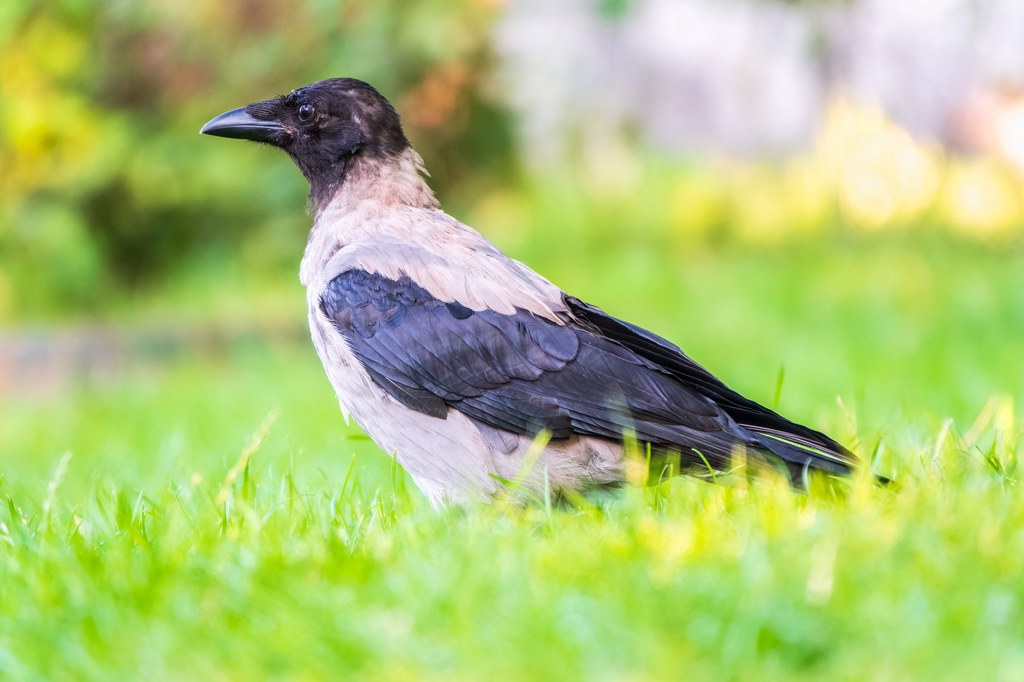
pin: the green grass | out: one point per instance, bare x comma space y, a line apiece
214, 518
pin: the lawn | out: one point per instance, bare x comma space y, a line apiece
213, 517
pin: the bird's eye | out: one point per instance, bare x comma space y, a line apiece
305, 112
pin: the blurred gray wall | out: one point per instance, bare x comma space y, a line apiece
748, 77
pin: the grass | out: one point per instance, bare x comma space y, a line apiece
214, 518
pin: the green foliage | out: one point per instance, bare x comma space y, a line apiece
107, 191
107, 184
191, 534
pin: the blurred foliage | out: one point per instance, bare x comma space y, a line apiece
863, 173
106, 183
107, 189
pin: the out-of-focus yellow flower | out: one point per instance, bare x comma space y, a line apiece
982, 198
872, 170
882, 174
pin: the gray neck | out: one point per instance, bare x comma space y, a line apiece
385, 180
373, 189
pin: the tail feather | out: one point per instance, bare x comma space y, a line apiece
800, 456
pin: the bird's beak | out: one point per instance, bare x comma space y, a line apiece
241, 125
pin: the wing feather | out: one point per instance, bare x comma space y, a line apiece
791, 441
590, 375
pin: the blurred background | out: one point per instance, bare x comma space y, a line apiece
821, 201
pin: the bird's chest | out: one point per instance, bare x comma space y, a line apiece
358, 395
447, 457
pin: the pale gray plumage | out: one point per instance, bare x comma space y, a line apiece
386, 220
452, 356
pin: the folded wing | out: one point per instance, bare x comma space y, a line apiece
593, 375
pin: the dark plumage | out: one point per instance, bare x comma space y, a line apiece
595, 376
454, 357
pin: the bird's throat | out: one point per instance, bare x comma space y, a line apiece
388, 180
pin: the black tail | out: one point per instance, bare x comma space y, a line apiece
800, 448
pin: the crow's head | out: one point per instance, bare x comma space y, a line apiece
323, 127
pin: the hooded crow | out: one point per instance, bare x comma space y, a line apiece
454, 357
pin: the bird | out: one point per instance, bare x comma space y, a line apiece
476, 373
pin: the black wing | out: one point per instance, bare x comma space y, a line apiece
523, 373
792, 441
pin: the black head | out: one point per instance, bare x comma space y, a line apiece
323, 126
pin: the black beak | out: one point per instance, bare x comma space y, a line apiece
240, 125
